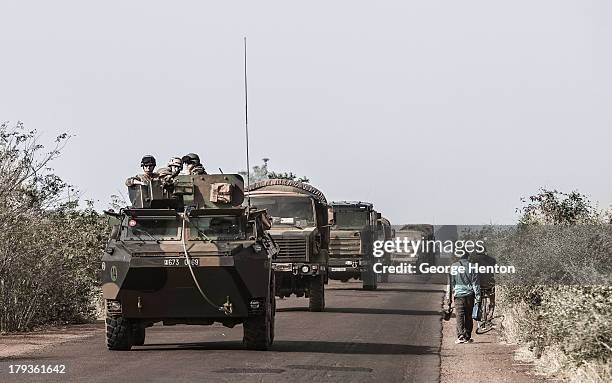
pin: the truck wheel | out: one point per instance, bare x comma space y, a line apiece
273, 304
317, 294
118, 334
138, 334
259, 330
384, 278
369, 287
371, 284
369, 280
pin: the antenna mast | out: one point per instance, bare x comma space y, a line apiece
246, 120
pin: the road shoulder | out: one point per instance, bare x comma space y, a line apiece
485, 360
18, 344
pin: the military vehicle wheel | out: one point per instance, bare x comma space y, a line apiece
138, 334
273, 298
118, 334
259, 330
317, 294
369, 280
371, 284
384, 278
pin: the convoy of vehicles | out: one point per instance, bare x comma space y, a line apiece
300, 227
199, 250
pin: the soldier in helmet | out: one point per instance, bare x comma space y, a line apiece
148, 166
194, 166
167, 174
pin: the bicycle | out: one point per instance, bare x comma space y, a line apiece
487, 304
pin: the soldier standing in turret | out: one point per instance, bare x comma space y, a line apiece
148, 166
194, 166
167, 174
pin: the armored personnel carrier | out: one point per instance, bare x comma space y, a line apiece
189, 253
300, 227
351, 242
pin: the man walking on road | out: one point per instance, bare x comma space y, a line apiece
464, 287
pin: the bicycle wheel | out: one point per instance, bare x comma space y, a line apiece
484, 325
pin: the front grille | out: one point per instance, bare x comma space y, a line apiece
294, 248
345, 247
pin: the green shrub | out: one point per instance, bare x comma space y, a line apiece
49, 247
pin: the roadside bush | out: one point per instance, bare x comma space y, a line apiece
560, 300
49, 247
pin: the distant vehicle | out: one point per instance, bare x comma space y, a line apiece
415, 232
189, 253
354, 229
300, 227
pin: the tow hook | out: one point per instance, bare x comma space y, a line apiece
227, 306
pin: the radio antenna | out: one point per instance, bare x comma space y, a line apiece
246, 121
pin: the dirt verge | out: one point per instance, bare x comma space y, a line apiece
12, 345
484, 360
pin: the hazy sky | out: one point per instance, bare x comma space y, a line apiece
443, 111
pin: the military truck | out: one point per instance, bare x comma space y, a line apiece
352, 235
300, 227
189, 253
415, 232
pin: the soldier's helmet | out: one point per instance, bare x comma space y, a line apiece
191, 158
175, 161
148, 160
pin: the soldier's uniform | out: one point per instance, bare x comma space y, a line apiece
194, 166
197, 169
173, 169
144, 178
165, 174
148, 165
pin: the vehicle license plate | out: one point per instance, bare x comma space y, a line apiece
282, 266
181, 262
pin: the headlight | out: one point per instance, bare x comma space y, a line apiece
305, 269
113, 306
257, 247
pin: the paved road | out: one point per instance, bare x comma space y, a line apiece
392, 334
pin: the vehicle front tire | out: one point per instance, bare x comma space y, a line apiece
369, 280
259, 330
118, 334
384, 278
369, 287
317, 294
